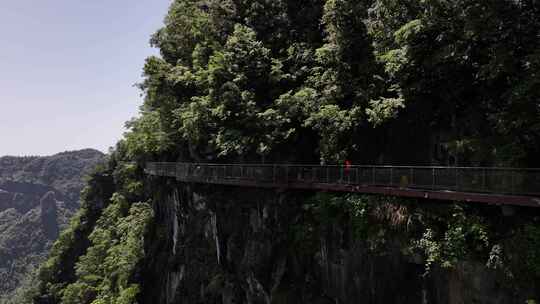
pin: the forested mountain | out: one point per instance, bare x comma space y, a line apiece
382, 81
38, 195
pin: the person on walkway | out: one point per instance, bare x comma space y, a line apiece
347, 170
348, 165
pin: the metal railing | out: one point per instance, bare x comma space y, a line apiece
515, 181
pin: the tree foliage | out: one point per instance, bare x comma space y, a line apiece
103, 273
466, 67
247, 79
267, 79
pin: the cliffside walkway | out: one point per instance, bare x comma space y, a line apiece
500, 186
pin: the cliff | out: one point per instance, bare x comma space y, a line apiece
193, 243
227, 245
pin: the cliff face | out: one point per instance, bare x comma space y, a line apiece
231, 245
140, 239
38, 196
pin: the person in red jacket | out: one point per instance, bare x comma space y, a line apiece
347, 170
348, 165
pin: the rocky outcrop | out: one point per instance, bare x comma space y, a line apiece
49, 215
24, 196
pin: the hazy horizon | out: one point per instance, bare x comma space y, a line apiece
67, 70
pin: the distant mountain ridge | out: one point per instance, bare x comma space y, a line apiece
38, 196
62, 171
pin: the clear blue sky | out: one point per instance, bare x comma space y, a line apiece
67, 70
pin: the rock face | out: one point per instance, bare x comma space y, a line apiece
244, 246
38, 195
49, 215
22, 196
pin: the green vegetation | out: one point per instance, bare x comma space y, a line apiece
38, 196
116, 248
377, 81
443, 237
267, 80
463, 236
94, 258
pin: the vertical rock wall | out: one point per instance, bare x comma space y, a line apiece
234, 245
49, 217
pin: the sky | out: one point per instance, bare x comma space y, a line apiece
68, 69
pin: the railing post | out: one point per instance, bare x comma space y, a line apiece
274, 173
432, 178
373, 175
484, 180
512, 182
341, 175
286, 174
327, 175
412, 176
391, 176
357, 176
457, 179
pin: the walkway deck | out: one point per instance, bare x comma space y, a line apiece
501, 186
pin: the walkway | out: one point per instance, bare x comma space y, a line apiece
502, 186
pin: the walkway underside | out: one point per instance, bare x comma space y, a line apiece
499, 186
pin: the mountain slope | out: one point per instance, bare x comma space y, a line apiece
38, 196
